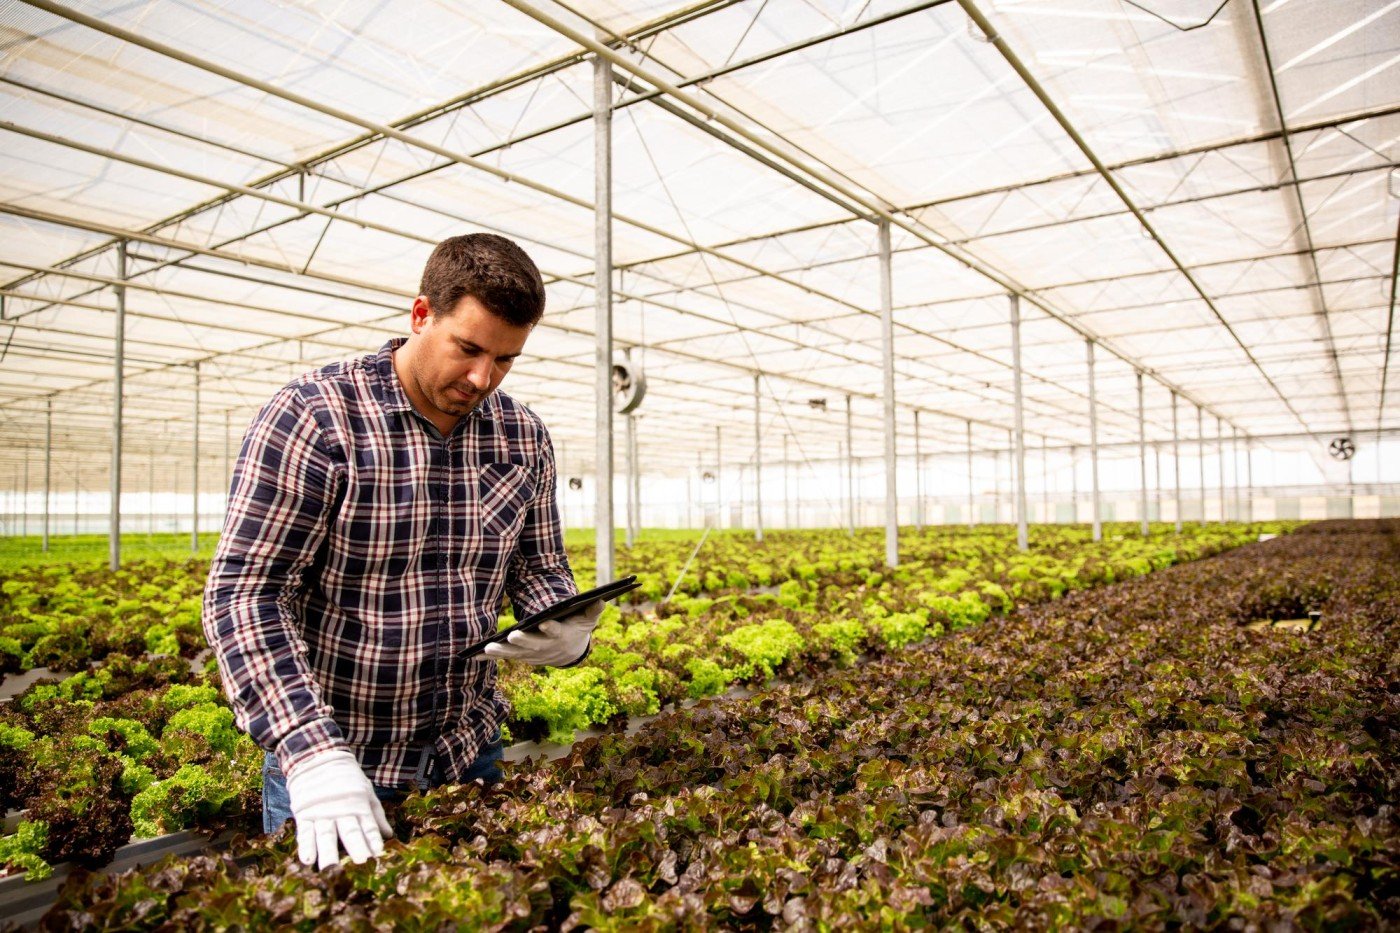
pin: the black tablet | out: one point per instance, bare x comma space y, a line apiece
560, 610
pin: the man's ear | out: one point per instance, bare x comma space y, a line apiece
420, 313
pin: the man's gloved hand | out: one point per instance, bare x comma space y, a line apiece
332, 798
555, 642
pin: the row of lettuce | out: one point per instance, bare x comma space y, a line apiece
833, 608
135, 742
1134, 757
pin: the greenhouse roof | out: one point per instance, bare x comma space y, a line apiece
1206, 190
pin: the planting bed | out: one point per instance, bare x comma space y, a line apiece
142, 743
832, 602
1135, 755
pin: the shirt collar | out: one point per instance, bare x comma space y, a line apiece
393, 398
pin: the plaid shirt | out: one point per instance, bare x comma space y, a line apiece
362, 550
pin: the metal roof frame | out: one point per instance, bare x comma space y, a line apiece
643, 85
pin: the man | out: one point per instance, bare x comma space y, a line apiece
380, 508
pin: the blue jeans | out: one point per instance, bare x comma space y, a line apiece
277, 803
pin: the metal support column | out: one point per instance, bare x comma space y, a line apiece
1045, 478
787, 491
637, 478
1176, 463
151, 496
1220, 459
1351, 488
1235, 470
850, 475
1201, 449
24, 499
757, 462
1019, 433
719, 479
194, 489
996, 484
1010, 474
77, 487
971, 492
891, 441
630, 444
1157, 480
1249, 478
1142, 461
1074, 484
739, 485
1094, 441
602, 297
48, 465
114, 515
840, 493
918, 478
700, 486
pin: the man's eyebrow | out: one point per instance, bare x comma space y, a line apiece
468, 345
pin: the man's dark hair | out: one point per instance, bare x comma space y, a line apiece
491, 269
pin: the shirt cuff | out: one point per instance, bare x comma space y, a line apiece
306, 742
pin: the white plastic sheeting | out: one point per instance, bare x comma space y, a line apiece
1245, 263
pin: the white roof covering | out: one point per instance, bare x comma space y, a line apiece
1226, 220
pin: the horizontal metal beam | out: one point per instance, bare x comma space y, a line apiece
435, 111
308, 208
977, 326
164, 292
950, 416
1046, 225
253, 261
146, 446
1024, 185
878, 207
1014, 60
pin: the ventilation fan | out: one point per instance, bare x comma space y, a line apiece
629, 386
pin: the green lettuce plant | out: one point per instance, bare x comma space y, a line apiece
763, 646
23, 850
563, 700
193, 794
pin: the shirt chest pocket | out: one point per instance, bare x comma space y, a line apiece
504, 491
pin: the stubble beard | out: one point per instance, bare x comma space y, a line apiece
457, 406
444, 399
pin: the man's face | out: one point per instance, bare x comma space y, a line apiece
461, 357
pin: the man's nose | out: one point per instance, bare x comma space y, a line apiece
480, 374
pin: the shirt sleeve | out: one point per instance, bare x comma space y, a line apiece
539, 575
279, 506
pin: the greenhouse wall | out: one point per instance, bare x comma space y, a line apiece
1267, 504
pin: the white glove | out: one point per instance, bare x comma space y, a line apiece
554, 643
331, 797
